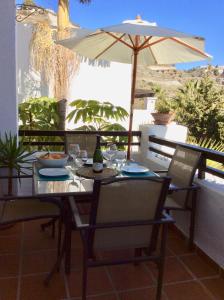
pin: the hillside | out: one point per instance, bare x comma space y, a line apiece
169, 78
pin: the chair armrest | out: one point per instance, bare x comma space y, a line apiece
76, 215
175, 188
164, 220
160, 171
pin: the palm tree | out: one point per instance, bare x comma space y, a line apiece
63, 16
63, 21
54, 62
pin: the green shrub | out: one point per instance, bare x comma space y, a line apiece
39, 114
199, 105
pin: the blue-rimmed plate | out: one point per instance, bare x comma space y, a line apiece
54, 172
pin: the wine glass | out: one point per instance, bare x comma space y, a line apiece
111, 153
84, 155
81, 158
120, 159
74, 150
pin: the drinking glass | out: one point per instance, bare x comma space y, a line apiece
74, 150
120, 158
80, 161
111, 153
84, 155
81, 158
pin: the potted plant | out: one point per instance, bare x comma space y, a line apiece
14, 158
163, 108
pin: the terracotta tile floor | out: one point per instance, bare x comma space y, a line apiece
27, 254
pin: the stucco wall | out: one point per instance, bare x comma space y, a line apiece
8, 102
29, 83
107, 81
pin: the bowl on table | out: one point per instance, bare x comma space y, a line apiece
53, 160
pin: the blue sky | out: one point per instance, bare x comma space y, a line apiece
200, 17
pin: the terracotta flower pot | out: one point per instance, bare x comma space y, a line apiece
162, 118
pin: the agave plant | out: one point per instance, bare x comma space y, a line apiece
14, 157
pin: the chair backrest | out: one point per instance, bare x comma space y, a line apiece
126, 200
17, 209
183, 166
86, 142
182, 170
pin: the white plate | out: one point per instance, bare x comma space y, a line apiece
53, 172
134, 169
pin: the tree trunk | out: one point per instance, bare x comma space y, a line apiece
63, 33
63, 18
62, 106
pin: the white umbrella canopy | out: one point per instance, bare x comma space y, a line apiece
138, 42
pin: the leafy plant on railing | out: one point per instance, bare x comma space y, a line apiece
14, 157
98, 116
39, 114
209, 144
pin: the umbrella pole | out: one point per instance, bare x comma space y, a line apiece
134, 75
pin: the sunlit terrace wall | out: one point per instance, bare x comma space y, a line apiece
103, 81
8, 102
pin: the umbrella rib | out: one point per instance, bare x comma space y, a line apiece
111, 45
150, 49
153, 43
94, 34
189, 46
116, 38
145, 42
131, 40
177, 41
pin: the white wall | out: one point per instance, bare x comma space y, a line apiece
104, 82
29, 83
107, 81
8, 102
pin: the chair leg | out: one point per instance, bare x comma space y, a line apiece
161, 262
138, 253
48, 224
84, 278
53, 229
59, 237
160, 280
192, 221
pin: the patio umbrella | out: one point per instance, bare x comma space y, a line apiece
138, 42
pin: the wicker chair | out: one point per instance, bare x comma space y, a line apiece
86, 142
183, 193
125, 214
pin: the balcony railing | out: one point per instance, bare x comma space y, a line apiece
212, 155
207, 154
62, 133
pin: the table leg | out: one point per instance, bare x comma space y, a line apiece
68, 237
